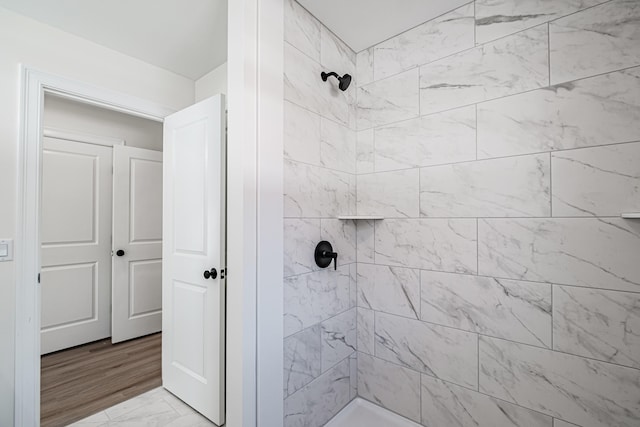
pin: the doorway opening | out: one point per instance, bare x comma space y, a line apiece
101, 258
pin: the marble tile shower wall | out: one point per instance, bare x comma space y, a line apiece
502, 142
320, 184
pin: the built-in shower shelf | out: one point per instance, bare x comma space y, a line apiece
361, 217
631, 215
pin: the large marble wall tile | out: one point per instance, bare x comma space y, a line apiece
301, 359
353, 376
582, 391
391, 194
301, 134
365, 152
599, 253
594, 111
389, 100
353, 288
314, 297
393, 290
598, 40
365, 241
335, 55
435, 39
600, 181
303, 86
312, 191
366, 331
445, 353
517, 311
301, 29
430, 244
342, 236
514, 186
560, 423
499, 18
338, 147
390, 386
300, 239
339, 338
514, 64
446, 405
447, 137
364, 67
603, 325
320, 400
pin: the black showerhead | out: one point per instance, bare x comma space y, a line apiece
344, 81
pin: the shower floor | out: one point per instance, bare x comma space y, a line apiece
360, 413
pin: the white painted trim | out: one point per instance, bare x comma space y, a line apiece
86, 138
255, 237
34, 84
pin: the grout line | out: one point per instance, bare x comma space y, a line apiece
478, 355
552, 328
549, 50
462, 218
551, 185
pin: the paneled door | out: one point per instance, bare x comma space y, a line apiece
193, 316
76, 244
137, 243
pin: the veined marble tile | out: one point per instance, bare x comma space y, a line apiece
394, 290
311, 191
342, 236
391, 194
583, 391
366, 241
364, 67
560, 423
339, 338
301, 29
353, 288
511, 65
335, 54
499, 18
301, 359
320, 400
303, 86
314, 297
301, 134
445, 353
517, 311
514, 186
390, 386
435, 39
594, 111
603, 325
338, 147
446, 405
598, 253
300, 239
598, 40
365, 152
447, 137
389, 100
600, 181
430, 244
365, 335
353, 376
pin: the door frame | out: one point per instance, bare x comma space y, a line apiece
34, 85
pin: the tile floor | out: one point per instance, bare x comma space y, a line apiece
157, 407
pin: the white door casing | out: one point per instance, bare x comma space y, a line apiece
193, 317
76, 244
137, 232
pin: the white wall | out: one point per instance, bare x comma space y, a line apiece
212, 83
64, 114
36, 45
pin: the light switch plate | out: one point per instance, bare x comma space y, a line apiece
6, 250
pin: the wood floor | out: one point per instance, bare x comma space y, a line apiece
81, 381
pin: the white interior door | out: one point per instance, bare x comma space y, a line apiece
193, 317
137, 243
76, 244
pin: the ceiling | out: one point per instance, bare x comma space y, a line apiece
364, 23
188, 37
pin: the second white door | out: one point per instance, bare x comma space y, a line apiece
137, 243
